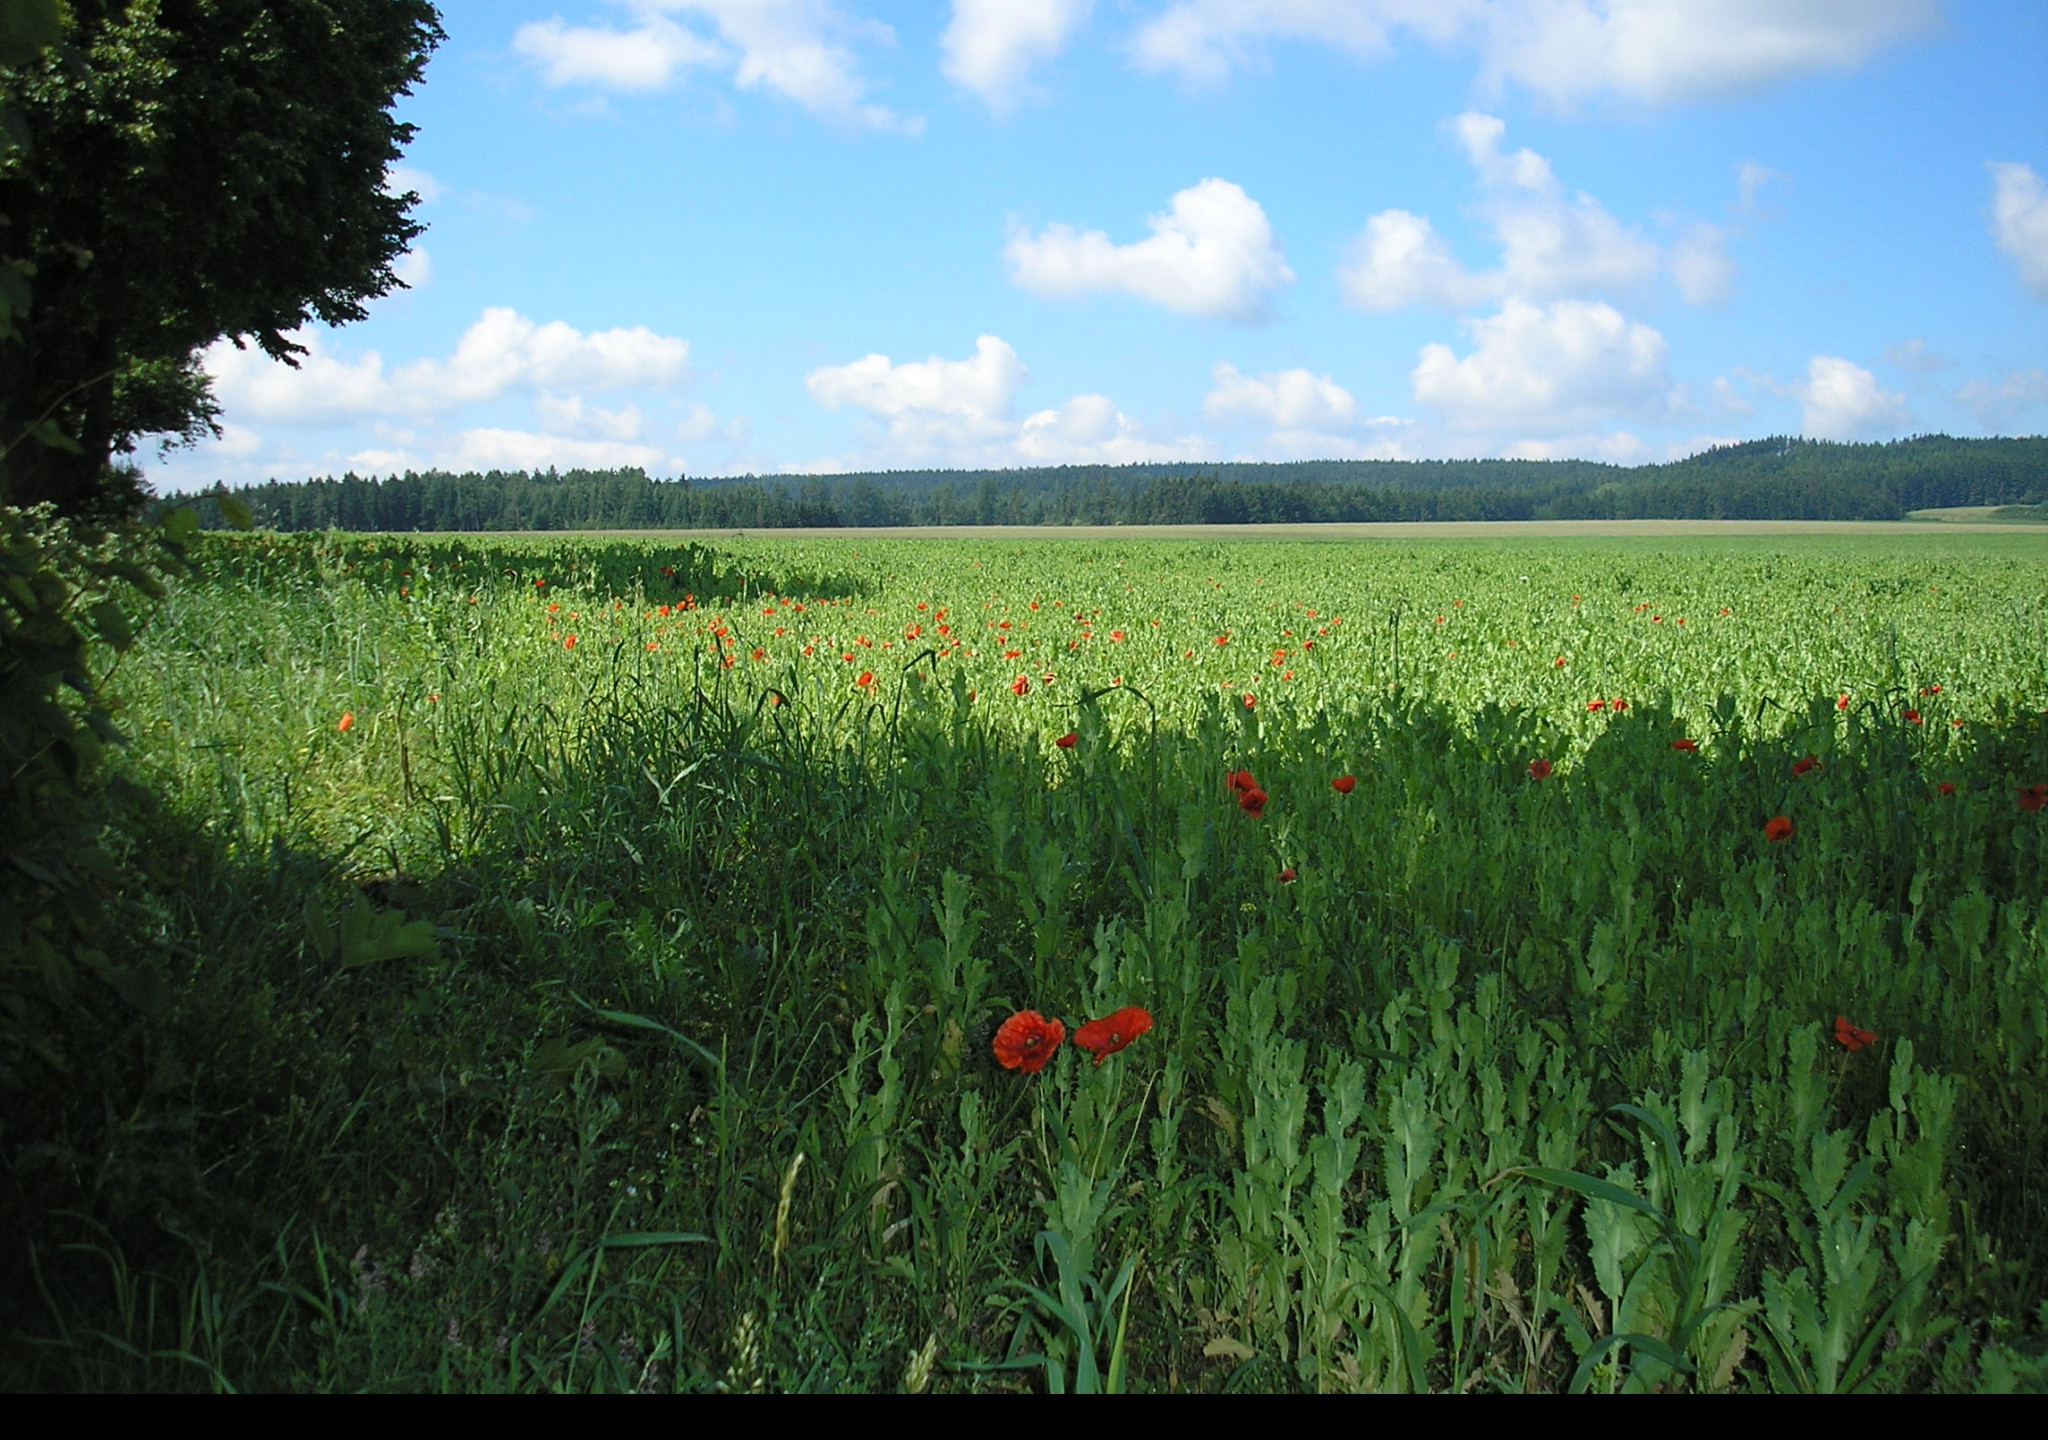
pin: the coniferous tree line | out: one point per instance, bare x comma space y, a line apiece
1773, 479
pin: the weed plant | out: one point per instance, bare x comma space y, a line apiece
579, 985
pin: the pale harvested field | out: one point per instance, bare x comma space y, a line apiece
1423, 530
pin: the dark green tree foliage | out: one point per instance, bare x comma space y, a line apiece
196, 168
1775, 479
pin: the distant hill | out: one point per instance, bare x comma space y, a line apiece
1780, 478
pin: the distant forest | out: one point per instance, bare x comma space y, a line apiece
1775, 479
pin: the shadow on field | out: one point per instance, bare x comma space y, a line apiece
1469, 1073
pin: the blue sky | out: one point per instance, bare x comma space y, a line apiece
715, 236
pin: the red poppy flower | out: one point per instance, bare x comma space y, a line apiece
1251, 702
1800, 767
1107, 1036
348, 723
1241, 780
1252, 802
1020, 686
1344, 784
1843, 703
1594, 707
1619, 704
867, 680
1027, 1040
1069, 740
1945, 788
1560, 663
569, 642
1912, 717
1778, 828
2034, 797
1850, 1038
1539, 769
1690, 747
1288, 876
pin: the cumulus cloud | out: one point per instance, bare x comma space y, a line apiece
959, 410
1399, 260
488, 449
2019, 222
796, 48
644, 58
1998, 405
1618, 447
1841, 400
501, 351
991, 45
1284, 400
1665, 51
1204, 40
1564, 51
928, 401
1212, 254
1567, 366
1552, 243
576, 416
1090, 430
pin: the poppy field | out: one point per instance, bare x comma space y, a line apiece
1077, 966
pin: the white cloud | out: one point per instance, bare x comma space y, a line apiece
501, 351
1565, 51
991, 45
2019, 222
575, 416
792, 47
504, 349
1997, 406
1204, 40
237, 442
645, 58
1567, 366
928, 401
415, 267
1399, 260
958, 411
1552, 244
489, 449
323, 390
1284, 400
398, 179
1702, 267
1213, 255
1666, 51
1090, 430
1322, 445
1843, 401
1617, 447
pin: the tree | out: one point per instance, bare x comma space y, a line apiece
195, 169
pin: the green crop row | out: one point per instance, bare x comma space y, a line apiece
589, 958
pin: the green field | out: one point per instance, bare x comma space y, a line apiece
588, 954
